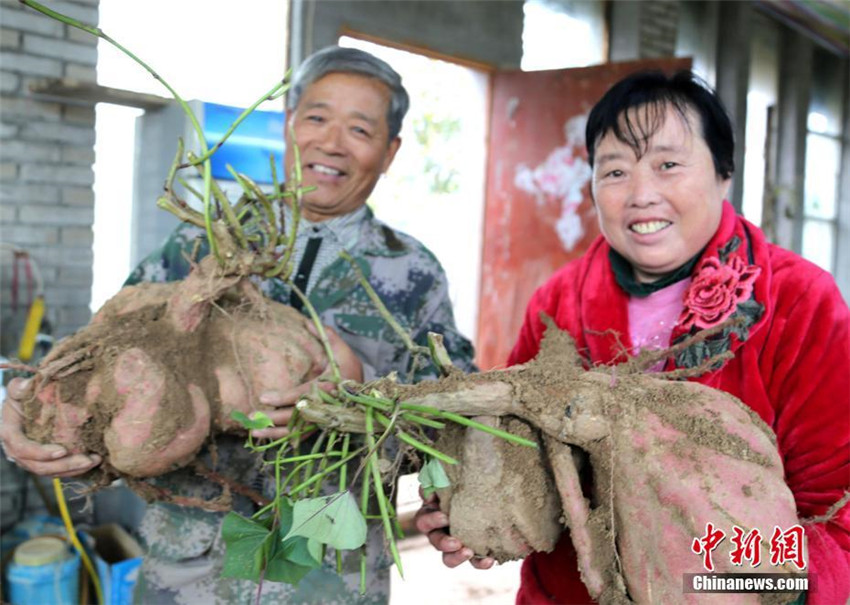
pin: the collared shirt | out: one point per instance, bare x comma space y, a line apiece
338, 233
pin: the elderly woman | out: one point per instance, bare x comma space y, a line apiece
674, 259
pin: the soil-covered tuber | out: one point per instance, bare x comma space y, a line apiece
162, 366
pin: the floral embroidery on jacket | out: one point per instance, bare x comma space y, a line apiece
721, 289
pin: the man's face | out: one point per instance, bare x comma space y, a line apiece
340, 126
658, 210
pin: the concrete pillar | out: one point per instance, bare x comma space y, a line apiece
643, 30
624, 37
732, 81
697, 37
795, 80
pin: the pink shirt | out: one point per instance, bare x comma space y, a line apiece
652, 318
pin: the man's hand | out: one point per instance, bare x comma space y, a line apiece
349, 364
350, 368
433, 522
51, 460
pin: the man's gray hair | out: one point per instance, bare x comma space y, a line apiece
336, 59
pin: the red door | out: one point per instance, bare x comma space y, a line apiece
538, 212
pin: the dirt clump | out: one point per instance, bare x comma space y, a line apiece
161, 367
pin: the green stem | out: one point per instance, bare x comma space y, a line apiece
384, 405
379, 489
413, 442
364, 510
324, 461
423, 421
382, 309
304, 457
309, 428
488, 429
279, 89
307, 483
343, 473
199, 132
321, 331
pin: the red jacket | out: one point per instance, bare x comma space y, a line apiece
793, 369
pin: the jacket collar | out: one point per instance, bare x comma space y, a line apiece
338, 279
604, 304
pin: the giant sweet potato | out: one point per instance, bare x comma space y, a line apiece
633, 464
162, 366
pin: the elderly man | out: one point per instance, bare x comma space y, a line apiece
345, 111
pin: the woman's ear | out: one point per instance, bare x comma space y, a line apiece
725, 186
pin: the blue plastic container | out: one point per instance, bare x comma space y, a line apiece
46, 578
118, 558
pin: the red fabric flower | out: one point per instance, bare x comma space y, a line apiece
716, 291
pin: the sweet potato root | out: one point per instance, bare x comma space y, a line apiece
663, 457
162, 366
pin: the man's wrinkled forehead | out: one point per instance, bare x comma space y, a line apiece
314, 99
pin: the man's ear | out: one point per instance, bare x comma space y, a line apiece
287, 125
392, 149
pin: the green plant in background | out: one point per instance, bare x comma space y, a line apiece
320, 464
433, 133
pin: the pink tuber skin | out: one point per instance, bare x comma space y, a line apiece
667, 457
162, 366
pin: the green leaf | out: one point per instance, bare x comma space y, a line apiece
333, 520
257, 420
245, 542
280, 569
303, 551
433, 477
290, 560
284, 510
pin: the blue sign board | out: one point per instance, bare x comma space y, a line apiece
248, 149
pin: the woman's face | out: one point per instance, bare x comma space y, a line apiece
658, 210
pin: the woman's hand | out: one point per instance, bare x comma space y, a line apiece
50, 460
434, 523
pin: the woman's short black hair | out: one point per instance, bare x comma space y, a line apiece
655, 92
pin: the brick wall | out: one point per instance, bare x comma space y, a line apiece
46, 159
46, 195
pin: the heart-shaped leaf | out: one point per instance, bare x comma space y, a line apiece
291, 560
333, 520
245, 542
303, 551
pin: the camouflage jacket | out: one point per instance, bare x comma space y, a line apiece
185, 552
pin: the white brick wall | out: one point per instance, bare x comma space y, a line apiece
46, 158
46, 196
